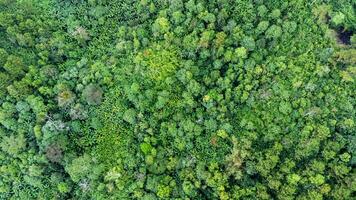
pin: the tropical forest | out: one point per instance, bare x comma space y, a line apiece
177, 99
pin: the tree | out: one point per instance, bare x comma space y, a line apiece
80, 34
82, 168
3, 57
14, 66
13, 144
274, 32
93, 94
54, 153
262, 26
65, 98
161, 26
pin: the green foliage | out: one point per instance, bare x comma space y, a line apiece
274, 32
158, 61
93, 94
65, 98
184, 99
54, 153
338, 19
83, 167
14, 66
130, 116
13, 145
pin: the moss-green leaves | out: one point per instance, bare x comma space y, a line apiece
161, 25
130, 116
84, 168
158, 61
274, 32
213, 99
145, 148
13, 144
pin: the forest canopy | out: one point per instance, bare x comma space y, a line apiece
183, 99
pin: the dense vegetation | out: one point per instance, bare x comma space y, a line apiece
181, 99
